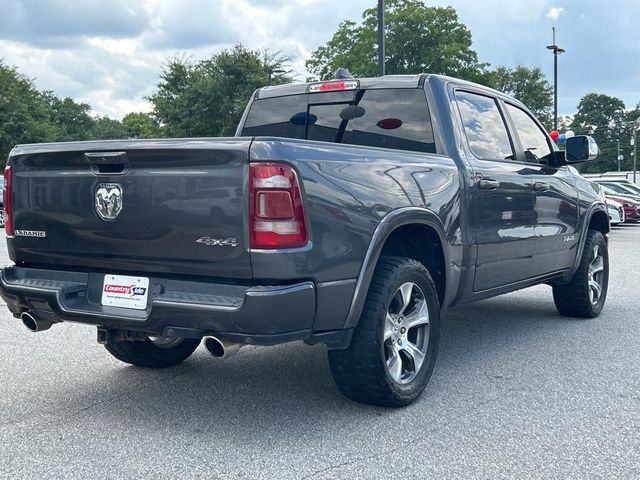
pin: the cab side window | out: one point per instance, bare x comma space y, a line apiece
533, 140
484, 127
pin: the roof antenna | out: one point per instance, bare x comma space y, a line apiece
343, 74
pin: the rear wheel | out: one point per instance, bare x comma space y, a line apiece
585, 295
394, 346
153, 352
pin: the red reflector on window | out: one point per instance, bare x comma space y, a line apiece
389, 123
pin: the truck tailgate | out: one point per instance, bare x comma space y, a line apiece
171, 206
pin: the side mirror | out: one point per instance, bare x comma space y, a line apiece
581, 148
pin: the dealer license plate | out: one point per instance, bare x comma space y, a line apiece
124, 291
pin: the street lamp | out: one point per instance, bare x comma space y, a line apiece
634, 140
271, 71
381, 38
556, 51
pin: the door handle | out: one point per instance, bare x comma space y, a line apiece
488, 184
540, 186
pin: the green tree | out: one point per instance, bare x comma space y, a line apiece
564, 123
105, 128
24, 116
528, 85
208, 98
418, 39
71, 120
141, 125
604, 118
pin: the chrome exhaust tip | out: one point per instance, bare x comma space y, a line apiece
221, 348
34, 324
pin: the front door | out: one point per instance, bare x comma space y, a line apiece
555, 197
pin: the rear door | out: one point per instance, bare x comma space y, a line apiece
175, 206
555, 197
501, 195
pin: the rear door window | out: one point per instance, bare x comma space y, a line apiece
389, 118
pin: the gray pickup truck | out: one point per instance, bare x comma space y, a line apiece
350, 212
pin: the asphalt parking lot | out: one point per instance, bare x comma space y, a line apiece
518, 392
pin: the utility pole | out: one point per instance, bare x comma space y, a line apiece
619, 155
380, 38
556, 51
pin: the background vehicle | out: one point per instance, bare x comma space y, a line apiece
622, 186
349, 212
616, 212
624, 175
631, 204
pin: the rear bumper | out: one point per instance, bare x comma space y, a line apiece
260, 315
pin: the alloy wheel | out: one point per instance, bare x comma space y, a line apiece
596, 275
406, 333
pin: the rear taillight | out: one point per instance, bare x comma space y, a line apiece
6, 198
276, 211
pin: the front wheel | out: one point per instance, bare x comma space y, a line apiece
585, 295
393, 349
153, 352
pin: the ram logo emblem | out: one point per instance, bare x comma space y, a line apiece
108, 200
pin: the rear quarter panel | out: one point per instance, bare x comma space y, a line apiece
348, 190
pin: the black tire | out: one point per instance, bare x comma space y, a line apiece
360, 371
149, 355
574, 298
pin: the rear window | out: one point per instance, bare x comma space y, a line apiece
396, 119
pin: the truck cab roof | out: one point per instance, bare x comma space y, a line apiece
367, 83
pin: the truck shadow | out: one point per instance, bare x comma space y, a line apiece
262, 391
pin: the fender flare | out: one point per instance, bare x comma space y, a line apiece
392, 221
591, 211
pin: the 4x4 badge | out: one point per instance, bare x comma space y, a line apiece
218, 242
108, 200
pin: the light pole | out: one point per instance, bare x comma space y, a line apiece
271, 71
380, 38
556, 51
636, 127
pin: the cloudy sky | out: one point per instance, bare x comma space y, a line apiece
109, 53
